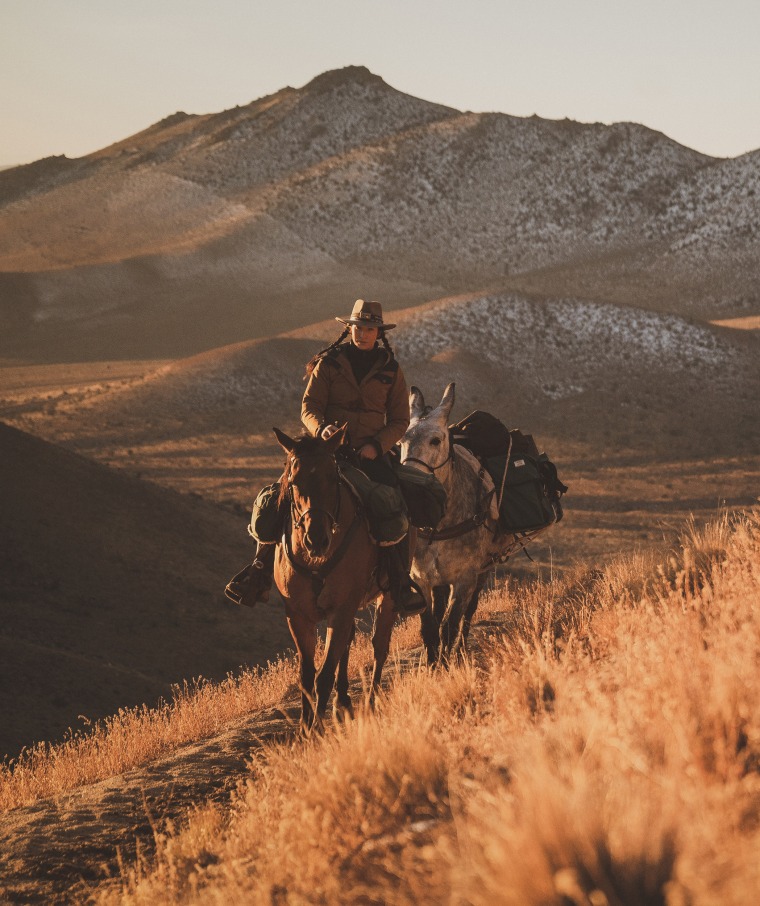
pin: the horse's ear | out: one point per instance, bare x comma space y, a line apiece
447, 402
335, 440
287, 443
416, 403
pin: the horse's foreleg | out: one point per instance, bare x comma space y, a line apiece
336, 644
472, 606
430, 623
449, 625
452, 625
304, 634
341, 687
385, 617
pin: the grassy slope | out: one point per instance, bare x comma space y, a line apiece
111, 592
601, 746
605, 749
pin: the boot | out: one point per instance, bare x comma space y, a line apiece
408, 600
253, 583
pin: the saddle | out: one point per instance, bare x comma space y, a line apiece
383, 505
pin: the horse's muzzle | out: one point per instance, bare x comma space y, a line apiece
316, 540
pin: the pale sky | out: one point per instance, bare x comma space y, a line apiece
77, 75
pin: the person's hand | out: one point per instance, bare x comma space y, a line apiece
368, 451
328, 431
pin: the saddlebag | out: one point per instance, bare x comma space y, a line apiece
531, 498
383, 505
424, 495
266, 519
531, 489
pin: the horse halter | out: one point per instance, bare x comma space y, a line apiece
431, 469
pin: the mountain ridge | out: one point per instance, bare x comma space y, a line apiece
254, 220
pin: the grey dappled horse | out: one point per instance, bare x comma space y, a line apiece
451, 565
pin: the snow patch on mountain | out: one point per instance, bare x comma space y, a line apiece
565, 344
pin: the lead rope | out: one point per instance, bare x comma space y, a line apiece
504, 476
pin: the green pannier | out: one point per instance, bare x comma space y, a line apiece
532, 489
266, 520
384, 506
528, 502
425, 496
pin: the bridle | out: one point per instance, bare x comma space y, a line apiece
431, 469
318, 575
298, 517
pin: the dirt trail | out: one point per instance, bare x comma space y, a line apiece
56, 850
53, 850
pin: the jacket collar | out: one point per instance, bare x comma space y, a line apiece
348, 371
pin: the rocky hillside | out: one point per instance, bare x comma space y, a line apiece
206, 229
648, 415
564, 367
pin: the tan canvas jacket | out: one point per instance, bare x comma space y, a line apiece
376, 410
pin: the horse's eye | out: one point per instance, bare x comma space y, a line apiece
435, 441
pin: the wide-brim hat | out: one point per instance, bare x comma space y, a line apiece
370, 314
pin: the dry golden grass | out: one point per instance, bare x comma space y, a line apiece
603, 749
136, 736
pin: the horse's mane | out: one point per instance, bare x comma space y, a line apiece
306, 444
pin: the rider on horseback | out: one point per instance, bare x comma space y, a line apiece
356, 382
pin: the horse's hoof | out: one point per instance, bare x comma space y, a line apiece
344, 709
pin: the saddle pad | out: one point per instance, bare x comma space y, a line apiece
474, 463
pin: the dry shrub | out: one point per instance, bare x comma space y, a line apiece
638, 781
690, 563
565, 833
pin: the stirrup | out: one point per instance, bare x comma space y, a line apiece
239, 589
416, 603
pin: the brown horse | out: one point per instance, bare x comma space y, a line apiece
326, 569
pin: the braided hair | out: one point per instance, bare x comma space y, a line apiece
316, 359
384, 340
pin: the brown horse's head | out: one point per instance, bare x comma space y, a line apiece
310, 480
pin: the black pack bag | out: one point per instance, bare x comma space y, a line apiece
531, 491
481, 433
